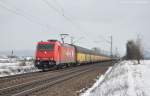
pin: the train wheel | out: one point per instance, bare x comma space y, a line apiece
67, 65
43, 70
57, 67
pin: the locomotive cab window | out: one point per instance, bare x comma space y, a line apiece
45, 47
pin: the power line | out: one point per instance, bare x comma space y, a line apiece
77, 26
62, 14
59, 5
28, 16
72, 22
51, 6
104, 39
22, 13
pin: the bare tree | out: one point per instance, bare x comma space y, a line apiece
134, 50
130, 50
139, 50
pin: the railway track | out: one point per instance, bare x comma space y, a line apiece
16, 79
7, 78
24, 89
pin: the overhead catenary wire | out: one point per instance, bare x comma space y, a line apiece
60, 7
23, 14
27, 16
63, 15
35, 20
104, 39
78, 27
68, 18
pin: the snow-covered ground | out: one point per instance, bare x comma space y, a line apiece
13, 66
126, 78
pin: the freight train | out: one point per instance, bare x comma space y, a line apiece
54, 54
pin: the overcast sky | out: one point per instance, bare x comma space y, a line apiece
90, 22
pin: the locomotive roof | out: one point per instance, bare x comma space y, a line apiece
66, 45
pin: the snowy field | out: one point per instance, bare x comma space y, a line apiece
126, 78
13, 66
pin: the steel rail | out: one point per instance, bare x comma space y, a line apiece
25, 86
49, 84
28, 75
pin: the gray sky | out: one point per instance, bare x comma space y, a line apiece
24, 22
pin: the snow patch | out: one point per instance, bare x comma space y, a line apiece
126, 78
14, 66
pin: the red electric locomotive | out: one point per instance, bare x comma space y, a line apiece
52, 54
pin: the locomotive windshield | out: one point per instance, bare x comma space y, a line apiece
45, 47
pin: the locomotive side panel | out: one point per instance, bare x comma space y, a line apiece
67, 54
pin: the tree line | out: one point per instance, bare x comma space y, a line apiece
134, 50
